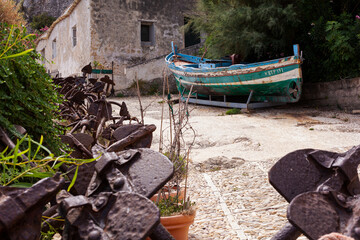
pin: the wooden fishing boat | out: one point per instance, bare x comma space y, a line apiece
275, 81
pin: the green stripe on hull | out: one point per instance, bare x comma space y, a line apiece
275, 89
259, 89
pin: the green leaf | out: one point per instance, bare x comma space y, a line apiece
74, 179
57, 165
17, 54
39, 146
22, 185
40, 175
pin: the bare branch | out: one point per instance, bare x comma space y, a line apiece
139, 97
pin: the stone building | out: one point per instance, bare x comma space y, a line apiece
114, 33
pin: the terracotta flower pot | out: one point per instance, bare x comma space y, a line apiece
178, 225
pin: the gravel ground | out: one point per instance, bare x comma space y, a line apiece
232, 155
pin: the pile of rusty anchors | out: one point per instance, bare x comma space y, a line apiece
116, 204
89, 113
119, 135
79, 94
123, 137
21, 208
323, 190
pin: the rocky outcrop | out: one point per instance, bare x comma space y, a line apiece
53, 8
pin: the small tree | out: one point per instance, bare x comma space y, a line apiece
254, 29
41, 21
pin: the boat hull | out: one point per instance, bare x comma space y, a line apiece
277, 80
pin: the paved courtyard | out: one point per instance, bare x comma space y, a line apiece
232, 155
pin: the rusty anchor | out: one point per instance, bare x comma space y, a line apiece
121, 215
122, 180
323, 191
21, 209
143, 171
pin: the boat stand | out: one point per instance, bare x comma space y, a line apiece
247, 105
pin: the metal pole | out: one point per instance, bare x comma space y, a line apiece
249, 99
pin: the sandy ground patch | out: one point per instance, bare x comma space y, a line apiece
232, 155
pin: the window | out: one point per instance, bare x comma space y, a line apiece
147, 33
53, 46
74, 36
42, 56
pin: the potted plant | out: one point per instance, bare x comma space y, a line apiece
176, 209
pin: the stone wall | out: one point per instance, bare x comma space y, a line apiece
69, 59
343, 94
116, 33
147, 71
155, 68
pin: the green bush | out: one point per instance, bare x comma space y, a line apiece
27, 95
254, 29
332, 48
328, 33
41, 21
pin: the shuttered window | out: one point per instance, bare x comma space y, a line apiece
74, 36
53, 46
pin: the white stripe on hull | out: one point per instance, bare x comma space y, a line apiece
272, 79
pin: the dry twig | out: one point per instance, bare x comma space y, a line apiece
139, 97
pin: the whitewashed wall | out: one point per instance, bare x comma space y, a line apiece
69, 60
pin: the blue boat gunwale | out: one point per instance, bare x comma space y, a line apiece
190, 68
194, 60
